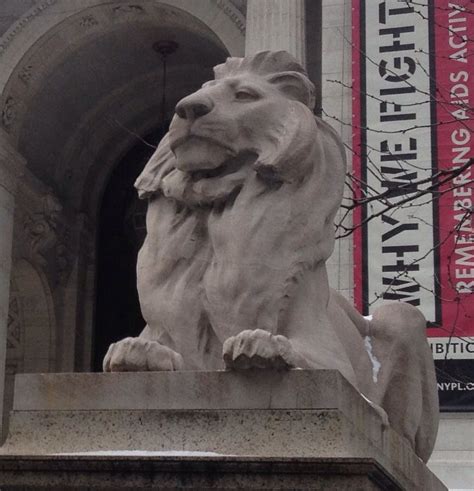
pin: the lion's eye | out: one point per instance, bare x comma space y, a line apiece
246, 95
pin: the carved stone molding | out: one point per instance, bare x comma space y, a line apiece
225, 5
15, 325
48, 238
128, 9
43, 229
26, 73
22, 22
88, 21
9, 113
233, 13
12, 164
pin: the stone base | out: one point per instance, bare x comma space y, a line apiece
203, 430
203, 473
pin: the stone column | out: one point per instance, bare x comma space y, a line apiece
276, 25
11, 168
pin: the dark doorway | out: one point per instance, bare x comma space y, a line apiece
121, 234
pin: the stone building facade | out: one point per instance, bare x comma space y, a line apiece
81, 102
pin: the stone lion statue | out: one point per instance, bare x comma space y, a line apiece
242, 195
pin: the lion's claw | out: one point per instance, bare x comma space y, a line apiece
258, 349
139, 355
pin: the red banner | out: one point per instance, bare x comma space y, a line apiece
454, 76
413, 86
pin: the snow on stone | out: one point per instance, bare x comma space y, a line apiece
145, 453
373, 359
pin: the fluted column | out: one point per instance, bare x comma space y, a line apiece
276, 25
11, 168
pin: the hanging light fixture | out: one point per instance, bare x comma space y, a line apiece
164, 48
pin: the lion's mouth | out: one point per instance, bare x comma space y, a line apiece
207, 186
231, 166
178, 141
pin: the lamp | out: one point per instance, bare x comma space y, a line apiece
164, 48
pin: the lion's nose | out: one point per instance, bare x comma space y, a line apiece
193, 107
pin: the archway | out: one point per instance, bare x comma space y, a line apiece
122, 230
80, 89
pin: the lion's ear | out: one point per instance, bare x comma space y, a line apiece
296, 86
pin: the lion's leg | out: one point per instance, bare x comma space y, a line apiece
266, 346
141, 354
309, 326
406, 383
303, 337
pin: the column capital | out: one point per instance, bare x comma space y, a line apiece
12, 164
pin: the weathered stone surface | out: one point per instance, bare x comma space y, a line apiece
243, 192
252, 389
262, 432
296, 416
453, 458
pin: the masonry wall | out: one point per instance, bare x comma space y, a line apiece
336, 110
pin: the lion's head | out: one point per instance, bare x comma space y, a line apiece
256, 116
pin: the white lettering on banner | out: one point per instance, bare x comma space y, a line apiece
452, 348
461, 154
456, 386
398, 117
457, 41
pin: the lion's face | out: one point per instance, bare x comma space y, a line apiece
226, 125
251, 126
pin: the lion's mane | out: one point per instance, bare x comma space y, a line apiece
234, 258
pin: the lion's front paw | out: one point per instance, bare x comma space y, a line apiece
258, 349
139, 355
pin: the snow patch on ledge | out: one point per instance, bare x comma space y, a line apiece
146, 453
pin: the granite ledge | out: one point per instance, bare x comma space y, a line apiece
205, 473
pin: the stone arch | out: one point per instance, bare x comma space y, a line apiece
72, 137
54, 32
220, 15
57, 31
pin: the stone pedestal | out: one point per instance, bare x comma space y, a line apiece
203, 430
